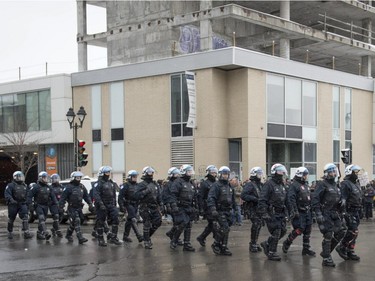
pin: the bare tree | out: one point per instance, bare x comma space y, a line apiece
22, 149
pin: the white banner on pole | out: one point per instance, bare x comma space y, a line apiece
190, 82
363, 179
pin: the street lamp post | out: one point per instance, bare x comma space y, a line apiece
70, 116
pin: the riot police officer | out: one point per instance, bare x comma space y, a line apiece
149, 195
204, 188
73, 194
56, 213
167, 198
129, 204
16, 198
105, 202
183, 194
327, 203
220, 202
43, 197
352, 196
57, 189
272, 208
250, 196
300, 214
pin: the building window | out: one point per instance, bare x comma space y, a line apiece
179, 107
336, 107
291, 107
348, 109
293, 103
117, 134
34, 108
96, 135
309, 103
275, 99
235, 156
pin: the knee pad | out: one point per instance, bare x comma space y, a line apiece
77, 220
328, 236
134, 220
41, 218
276, 234
56, 217
298, 231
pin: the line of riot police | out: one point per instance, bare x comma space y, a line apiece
270, 204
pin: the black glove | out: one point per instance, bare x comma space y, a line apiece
214, 213
319, 218
12, 201
266, 216
174, 208
168, 208
102, 207
342, 204
293, 215
91, 209
146, 191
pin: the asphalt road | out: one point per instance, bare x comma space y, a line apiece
59, 260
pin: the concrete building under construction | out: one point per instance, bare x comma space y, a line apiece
275, 81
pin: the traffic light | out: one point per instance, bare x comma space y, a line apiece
346, 156
82, 156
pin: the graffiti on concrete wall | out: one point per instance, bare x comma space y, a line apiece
189, 40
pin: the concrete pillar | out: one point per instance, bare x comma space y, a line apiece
367, 24
82, 31
205, 27
285, 42
366, 61
366, 66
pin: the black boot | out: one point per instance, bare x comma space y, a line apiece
286, 245
216, 247
253, 247
10, 230
265, 247
136, 230
272, 256
148, 244
352, 255
202, 238
114, 239
126, 237
201, 241
40, 236
101, 241
187, 245
306, 251
27, 235
328, 262
81, 239
341, 250
69, 234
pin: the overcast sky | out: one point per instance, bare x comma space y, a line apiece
35, 32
